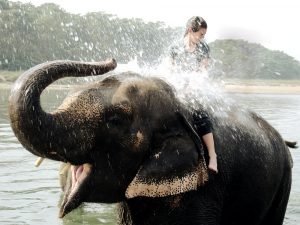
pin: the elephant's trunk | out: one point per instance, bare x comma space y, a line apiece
33, 126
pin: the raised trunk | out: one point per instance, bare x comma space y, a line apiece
36, 129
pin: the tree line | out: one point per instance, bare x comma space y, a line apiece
31, 35
241, 59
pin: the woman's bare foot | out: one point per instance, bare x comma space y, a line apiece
213, 165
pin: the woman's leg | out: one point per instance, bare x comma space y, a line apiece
209, 142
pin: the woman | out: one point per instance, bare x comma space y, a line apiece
193, 54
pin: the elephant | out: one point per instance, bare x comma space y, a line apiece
129, 139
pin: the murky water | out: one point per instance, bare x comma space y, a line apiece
29, 195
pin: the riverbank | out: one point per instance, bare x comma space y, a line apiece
261, 86
230, 88
8, 85
262, 89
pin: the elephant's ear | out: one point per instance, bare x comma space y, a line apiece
176, 166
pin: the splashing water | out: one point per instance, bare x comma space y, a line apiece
190, 87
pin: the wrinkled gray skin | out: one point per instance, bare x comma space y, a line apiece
130, 140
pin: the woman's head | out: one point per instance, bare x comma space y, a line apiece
196, 28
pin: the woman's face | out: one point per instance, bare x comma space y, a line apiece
197, 36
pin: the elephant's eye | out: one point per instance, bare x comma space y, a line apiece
114, 119
120, 114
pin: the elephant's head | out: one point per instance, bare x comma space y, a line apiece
125, 136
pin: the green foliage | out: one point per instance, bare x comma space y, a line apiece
31, 35
4, 4
240, 59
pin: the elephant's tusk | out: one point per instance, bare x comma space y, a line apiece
64, 169
39, 161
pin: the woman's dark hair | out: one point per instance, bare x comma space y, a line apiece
195, 23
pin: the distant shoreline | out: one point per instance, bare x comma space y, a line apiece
262, 89
53, 86
229, 88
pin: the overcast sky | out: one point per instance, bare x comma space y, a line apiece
272, 23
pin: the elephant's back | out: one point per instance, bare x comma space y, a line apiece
251, 148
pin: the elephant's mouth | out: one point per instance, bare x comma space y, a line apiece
77, 190
79, 173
